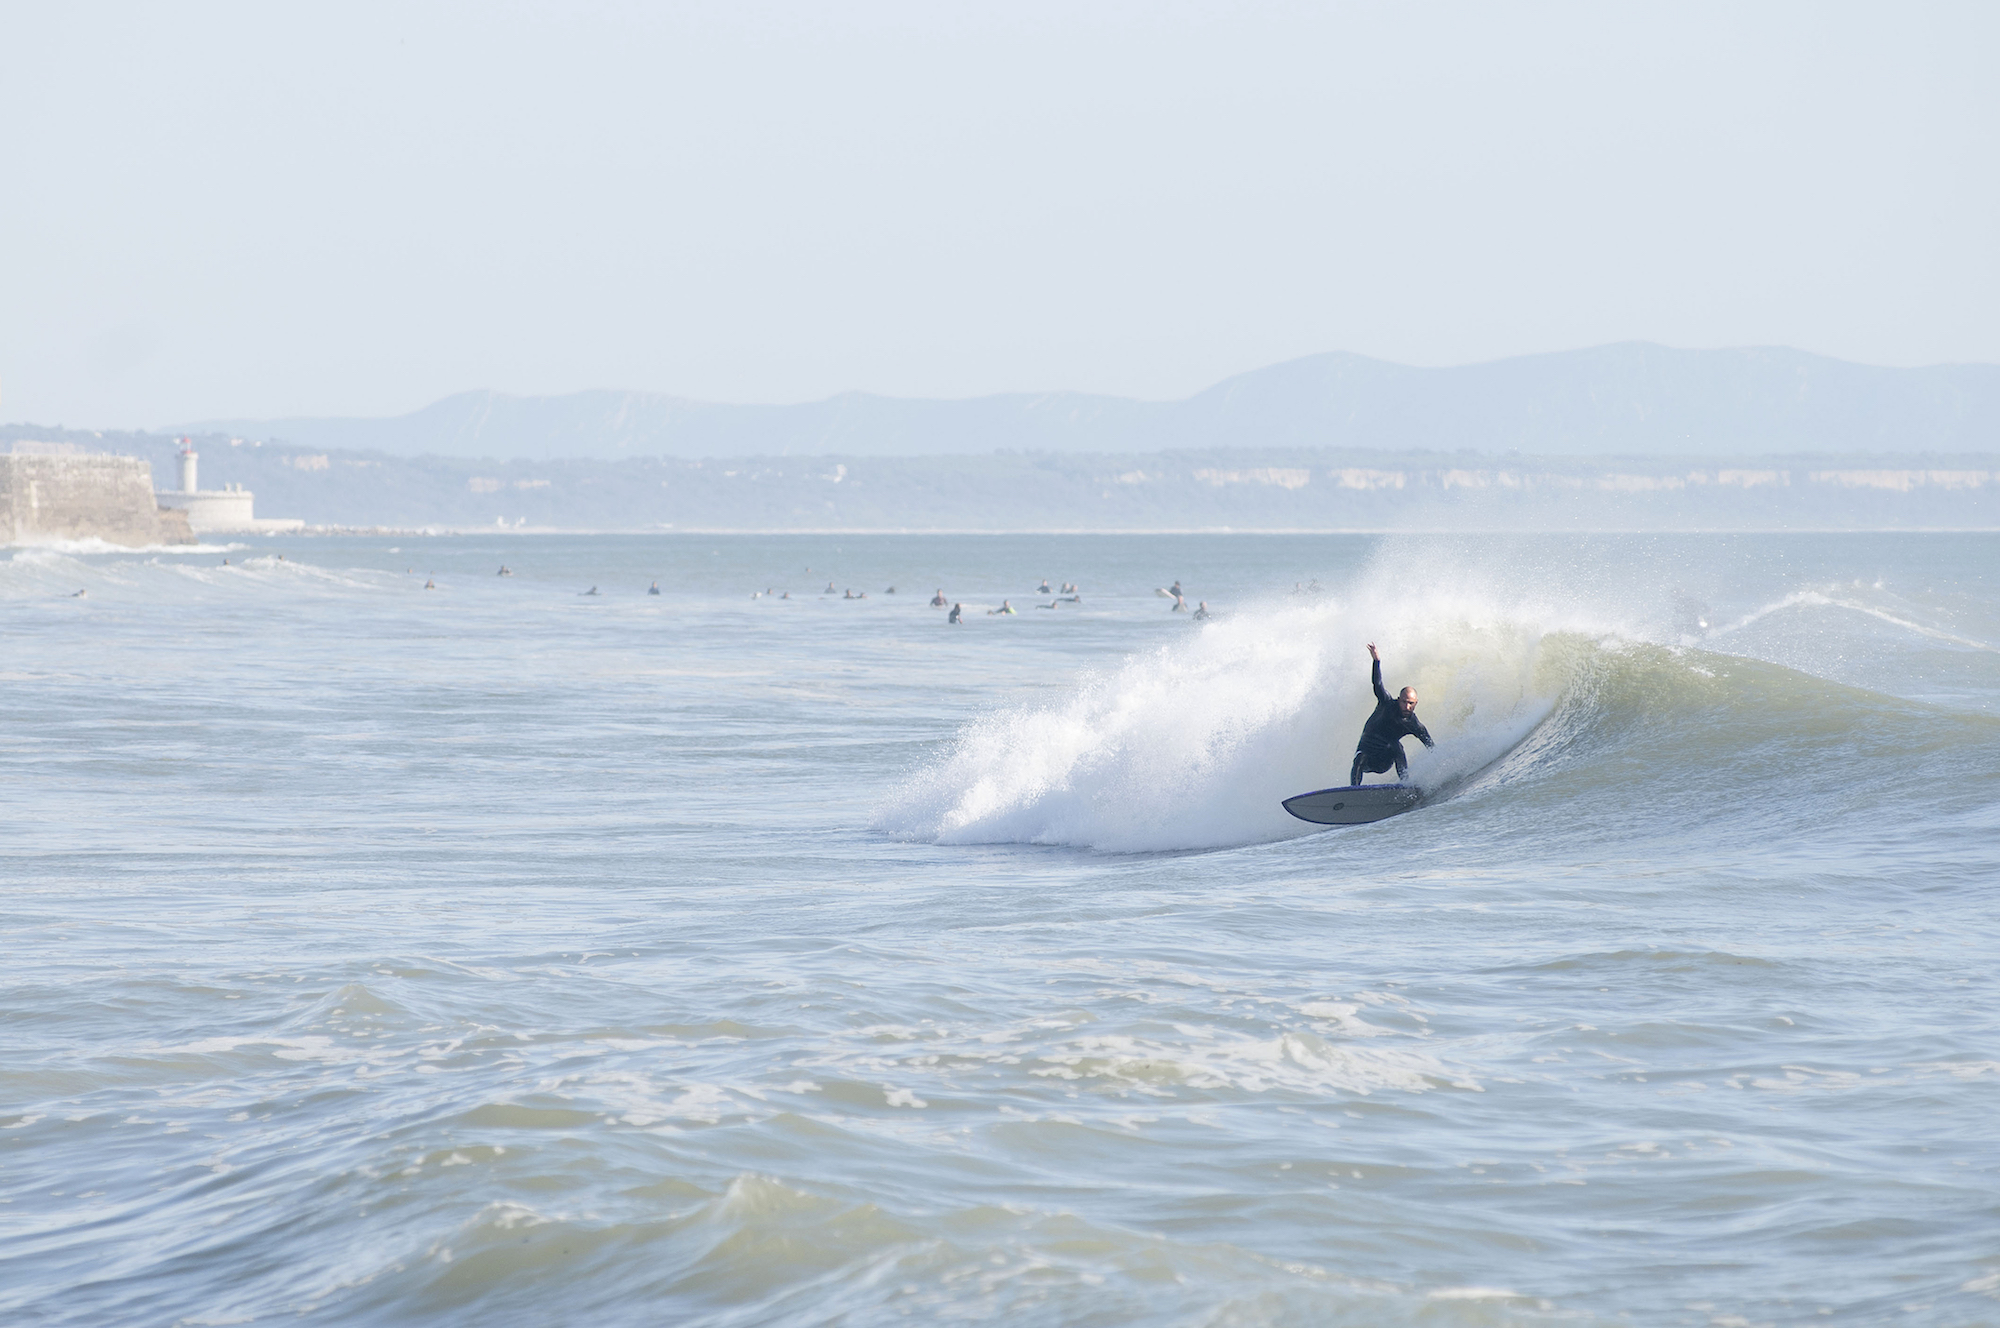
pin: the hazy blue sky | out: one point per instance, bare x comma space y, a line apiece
265, 209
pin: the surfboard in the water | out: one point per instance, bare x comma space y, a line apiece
1355, 804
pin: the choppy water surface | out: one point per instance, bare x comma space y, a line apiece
502, 954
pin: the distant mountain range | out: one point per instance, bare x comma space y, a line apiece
1630, 398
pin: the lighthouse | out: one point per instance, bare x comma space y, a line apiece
226, 509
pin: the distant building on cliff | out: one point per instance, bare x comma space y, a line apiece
57, 491
224, 511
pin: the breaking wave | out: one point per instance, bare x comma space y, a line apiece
1194, 745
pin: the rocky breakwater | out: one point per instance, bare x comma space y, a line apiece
53, 494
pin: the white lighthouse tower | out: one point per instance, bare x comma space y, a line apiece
226, 509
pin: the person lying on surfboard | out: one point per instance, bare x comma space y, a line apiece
1395, 719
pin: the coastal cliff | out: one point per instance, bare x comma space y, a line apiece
69, 496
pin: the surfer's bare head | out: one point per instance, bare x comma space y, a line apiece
1408, 700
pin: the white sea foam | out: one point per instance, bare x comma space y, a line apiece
1295, 1062
1195, 745
33, 552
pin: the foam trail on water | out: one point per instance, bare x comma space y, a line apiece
1825, 599
1195, 745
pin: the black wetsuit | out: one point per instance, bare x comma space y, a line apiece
1381, 744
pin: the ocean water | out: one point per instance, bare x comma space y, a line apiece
503, 954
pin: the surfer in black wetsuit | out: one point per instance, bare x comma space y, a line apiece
1395, 719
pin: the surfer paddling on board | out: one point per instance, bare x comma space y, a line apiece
1395, 719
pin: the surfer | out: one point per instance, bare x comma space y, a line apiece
1395, 719
1044, 589
1005, 607
938, 600
654, 589
957, 614
1201, 613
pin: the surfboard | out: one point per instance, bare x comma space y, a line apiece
1353, 805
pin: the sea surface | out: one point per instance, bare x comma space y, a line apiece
500, 953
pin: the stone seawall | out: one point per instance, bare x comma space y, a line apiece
49, 498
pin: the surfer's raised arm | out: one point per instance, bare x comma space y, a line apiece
1375, 675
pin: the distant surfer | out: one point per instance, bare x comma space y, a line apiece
1201, 613
957, 614
1044, 588
1395, 719
504, 570
938, 600
1005, 607
591, 591
430, 584
654, 589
